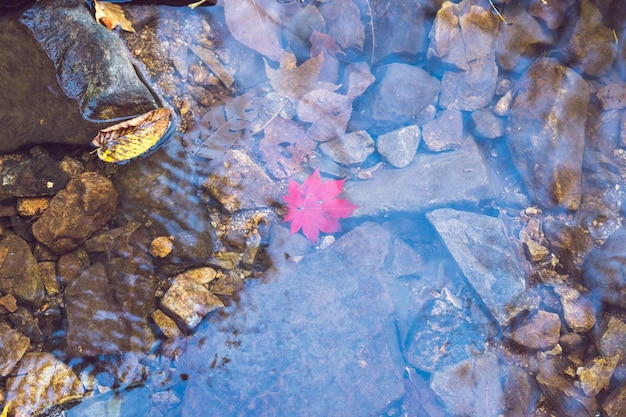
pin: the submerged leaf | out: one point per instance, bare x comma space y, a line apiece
111, 15
129, 139
343, 22
256, 24
219, 129
315, 207
292, 81
285, 147
328, 112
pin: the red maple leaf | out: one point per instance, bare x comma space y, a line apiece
314, 206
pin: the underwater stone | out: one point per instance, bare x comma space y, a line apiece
75, 213
350, 148
41, 381
482, 250
188, 301
546, 132
430, 181
19, 271
471, 387
92, 63
398, 147
13, 345
539, 332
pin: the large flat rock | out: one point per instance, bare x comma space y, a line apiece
316, 340
430, 181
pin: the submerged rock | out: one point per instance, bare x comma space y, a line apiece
13, 345
84, 206
19, 271
471, 387
546, 132
400, 94
350, 148
398, 147
92, 63
96, 324
464, 36
335, 344
591, 48
484, 254
428, 182
34, 109
604, 272
39, 382
539, 332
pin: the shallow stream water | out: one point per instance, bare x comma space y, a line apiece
368, 208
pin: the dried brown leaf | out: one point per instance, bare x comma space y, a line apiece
285, 147
111, 15
293, 81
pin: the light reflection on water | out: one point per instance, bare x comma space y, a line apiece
410, 309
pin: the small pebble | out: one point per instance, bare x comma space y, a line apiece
161, 247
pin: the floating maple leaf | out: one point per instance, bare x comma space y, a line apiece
314, 206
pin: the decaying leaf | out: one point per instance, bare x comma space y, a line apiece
256, 24
111, 15
343, 22
219, 128
322, 43
292, 81
129, 139
328, 112
285, 147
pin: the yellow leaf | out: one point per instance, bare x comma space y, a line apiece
5, 412
129, 139
111, 15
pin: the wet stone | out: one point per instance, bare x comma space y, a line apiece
578, 311
610, 340
84, 206
464, 36
238, 183
160, 247
563, 395
615, 403
13, 345
430, 181
96, 325
400, 28
19, 271
398, 147
604, 272
595, 376
401, 93
187, 301
92, 63
445, 132
591, 47
539, 332
486, 124
160, 193
26, 323
350, 148
547, 153
31, 206
167, 326
471, 387
41, 381
31, 177
440, 323
356, 376
552, 13
521, 39
521, 392
8, 304
34, 109
489, 262
612, 96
